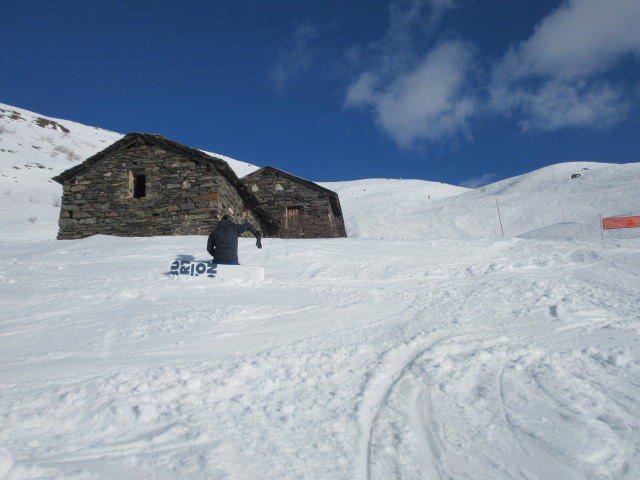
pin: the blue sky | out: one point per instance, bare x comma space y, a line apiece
460, 91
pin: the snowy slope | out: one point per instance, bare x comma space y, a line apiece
548, 197
544, 203
34, 148
428, 347
389, 209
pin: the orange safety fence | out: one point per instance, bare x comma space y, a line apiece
620, 222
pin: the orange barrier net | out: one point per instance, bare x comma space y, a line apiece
620, 222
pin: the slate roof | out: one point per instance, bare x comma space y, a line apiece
295, 178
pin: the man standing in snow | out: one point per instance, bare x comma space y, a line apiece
222, 244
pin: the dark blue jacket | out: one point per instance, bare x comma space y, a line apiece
222, 244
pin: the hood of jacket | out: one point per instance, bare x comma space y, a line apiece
225, 222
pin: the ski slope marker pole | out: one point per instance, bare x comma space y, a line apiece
499, 217
601, 229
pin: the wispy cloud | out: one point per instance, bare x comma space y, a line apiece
479, 181
554, 79
554, 105
415, 95
295, 57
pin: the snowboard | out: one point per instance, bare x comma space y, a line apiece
186, 267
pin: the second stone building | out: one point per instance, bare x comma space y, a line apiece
302, 208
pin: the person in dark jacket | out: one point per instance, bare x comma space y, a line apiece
222, 244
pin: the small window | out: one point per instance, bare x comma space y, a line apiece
139, 184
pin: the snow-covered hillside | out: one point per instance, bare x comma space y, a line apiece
547, 203
34, 148
426, 346
390, 209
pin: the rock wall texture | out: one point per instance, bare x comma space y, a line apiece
144, 190
303, 208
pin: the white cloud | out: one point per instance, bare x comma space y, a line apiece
427, 103
294, 58
552, 79
581, 38
415, 96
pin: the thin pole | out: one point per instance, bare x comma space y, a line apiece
601, 229
499, 217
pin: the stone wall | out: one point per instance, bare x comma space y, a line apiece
302, 210
180, 196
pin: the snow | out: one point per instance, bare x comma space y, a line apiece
426, 345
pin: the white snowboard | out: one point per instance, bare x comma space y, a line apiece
186, 267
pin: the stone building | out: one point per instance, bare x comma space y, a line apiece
304, 209
146, 185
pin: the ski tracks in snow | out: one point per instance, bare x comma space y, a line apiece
474, 361
401, 435
503, 387
396, 364
452, 406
